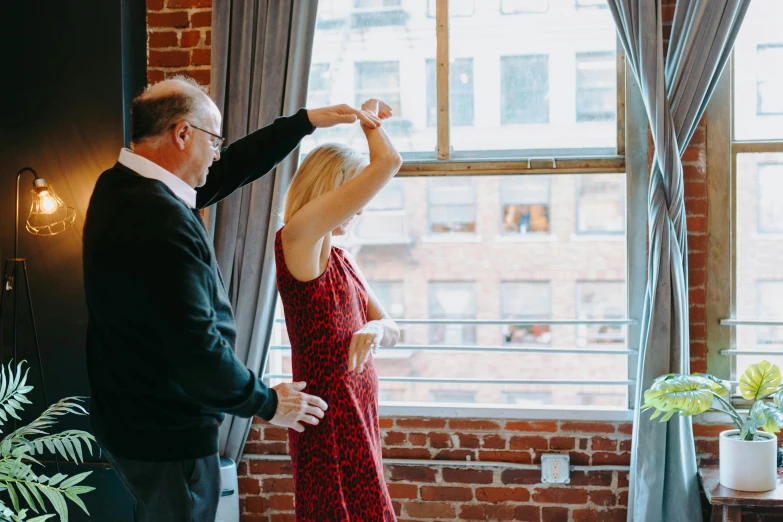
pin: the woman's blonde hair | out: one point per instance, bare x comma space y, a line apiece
324, 169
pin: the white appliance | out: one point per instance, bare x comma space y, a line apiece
228, 506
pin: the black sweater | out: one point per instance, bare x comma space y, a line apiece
161, 332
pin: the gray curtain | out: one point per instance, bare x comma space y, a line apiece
261, 53
663, 479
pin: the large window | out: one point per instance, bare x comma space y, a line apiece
319, 89
747, 119
524, 89
505, 248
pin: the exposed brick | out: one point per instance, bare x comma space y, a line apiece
552, 514
626, 445
592, 478
406, 453
604, 444
603, 497
595, 515
516, 457
562, 443
418, 439
278, 485
579, 459
281, 502
421, 423
440, 440
709, 446
611, 459
274, 433
282, 517
588, 427
168, 58
709, 430
168, 20
208, 38
555, 495
249, 486
477, 425
520, 476
201, 19
446, 493
154, 5
456, 454
528, 513
385, 423
490, 494
270, 467
162, 39
266, 448
403, 490
486, 512
622, 479
201, 76
532, 426
254, 504
468, 440
188, 4
696, 207
413, 473
200, 56
467, 476
622, 498
395, 438
189, 38
429, 510
524, 443
154, 76
695, 189
493, 442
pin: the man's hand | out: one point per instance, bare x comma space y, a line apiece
295, 407
364, 342
337, 114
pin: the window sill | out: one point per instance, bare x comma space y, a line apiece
452, 238
598, 238
526, 238
503, 411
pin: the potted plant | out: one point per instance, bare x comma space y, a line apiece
748, 454
21, 490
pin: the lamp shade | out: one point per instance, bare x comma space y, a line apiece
48, 214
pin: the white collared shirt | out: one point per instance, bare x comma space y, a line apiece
148, 169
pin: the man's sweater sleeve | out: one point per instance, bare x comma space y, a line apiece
251, 157
179, 284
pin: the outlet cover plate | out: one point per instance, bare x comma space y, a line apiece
555, 468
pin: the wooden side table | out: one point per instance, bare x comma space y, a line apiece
727, 504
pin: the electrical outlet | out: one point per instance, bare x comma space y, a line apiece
555, 468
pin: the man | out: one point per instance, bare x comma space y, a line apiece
161, 330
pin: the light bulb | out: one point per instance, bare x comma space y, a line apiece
47, 203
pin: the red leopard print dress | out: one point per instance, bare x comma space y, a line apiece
337, 468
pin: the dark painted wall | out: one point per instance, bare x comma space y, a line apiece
69, 70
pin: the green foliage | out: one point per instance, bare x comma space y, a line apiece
694, 394
21, 490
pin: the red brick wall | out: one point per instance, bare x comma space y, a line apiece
179, 43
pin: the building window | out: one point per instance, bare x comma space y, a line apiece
391, 295
523, 6
452, 300
524, 202
596, 86
769, 83
594, 4
600, 300
769, 305
527, 398
770, 206
452, 205
319, 88
378, 80
524, 89
460, 92
528, 300
378, 13
456, 396
384, 220
600, 205
456, 8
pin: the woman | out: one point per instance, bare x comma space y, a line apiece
335, 322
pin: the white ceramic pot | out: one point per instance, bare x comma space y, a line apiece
748, 465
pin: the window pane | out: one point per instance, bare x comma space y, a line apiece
758, 73
527, 300
452, 205
544, 79
456, 7
373, 48
596, 87
488, 275
599, 300
525, 204
460, 92
600, 204
759, 249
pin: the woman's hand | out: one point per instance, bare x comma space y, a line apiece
377, 108
365, 341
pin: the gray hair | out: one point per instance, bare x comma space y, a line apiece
164, 104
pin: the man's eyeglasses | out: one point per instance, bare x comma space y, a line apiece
217, 142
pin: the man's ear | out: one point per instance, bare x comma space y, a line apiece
182, 134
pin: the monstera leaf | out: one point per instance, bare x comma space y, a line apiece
759, 380
687, 394
762, 416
